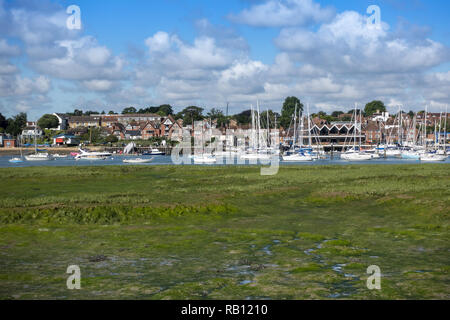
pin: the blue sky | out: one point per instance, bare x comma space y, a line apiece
120, 24
208, 53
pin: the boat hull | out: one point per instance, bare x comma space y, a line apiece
137, 161
356, 156
433, 157
297, 158
204, 160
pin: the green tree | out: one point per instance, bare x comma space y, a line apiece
244, 117
374, 106
48, 121
129, 110
272, 116
190, 113
288, 110
346, 118
89, 112
111, 112
358, 111
214, 114
77, 112
16, 124
166, 109
3, 122
336, 114
111, 138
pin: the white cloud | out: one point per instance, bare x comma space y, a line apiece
7, 50
98, 85
279, 13
159, 42
348, 44
332, 65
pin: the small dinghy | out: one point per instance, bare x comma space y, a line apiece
137, 160
59, 156
16, 160
433, 157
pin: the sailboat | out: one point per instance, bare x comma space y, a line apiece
17, 159
205, 158
292, 155
255, 152
138, 160
353, 154
428, 156
432, 157
38, 156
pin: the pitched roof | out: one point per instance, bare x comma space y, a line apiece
133, 132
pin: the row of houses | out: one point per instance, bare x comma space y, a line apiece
124, 127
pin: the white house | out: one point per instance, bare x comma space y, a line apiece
63, 120
29, 132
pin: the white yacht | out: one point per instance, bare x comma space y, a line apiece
39, 157
297, 157
137, 160
432, 157
356, 156
204, 158
88, 155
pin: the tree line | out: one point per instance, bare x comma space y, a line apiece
15, 125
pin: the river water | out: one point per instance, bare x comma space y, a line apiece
167, 160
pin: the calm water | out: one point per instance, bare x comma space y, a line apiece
166, 160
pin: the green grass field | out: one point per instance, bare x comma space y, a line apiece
185, 232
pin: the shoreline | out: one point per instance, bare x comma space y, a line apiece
51, 150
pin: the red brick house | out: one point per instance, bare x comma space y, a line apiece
171, 129
149, 129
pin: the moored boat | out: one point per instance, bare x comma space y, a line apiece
297, 157
39, 157
432, 157
137, 160
59, 156
88, 155
204, 158
411, 155
154, 152
16, 160
356, 156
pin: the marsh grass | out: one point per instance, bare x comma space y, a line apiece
187, 232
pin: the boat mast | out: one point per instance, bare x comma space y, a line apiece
302, 128
258, 125
400, 127
295, 127
35, 145
253, 127
309, 126
354, 132
445, 131
425, 130
360, 129
268, 129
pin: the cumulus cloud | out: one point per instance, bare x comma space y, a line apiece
349, 44
280, 13
336, 62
